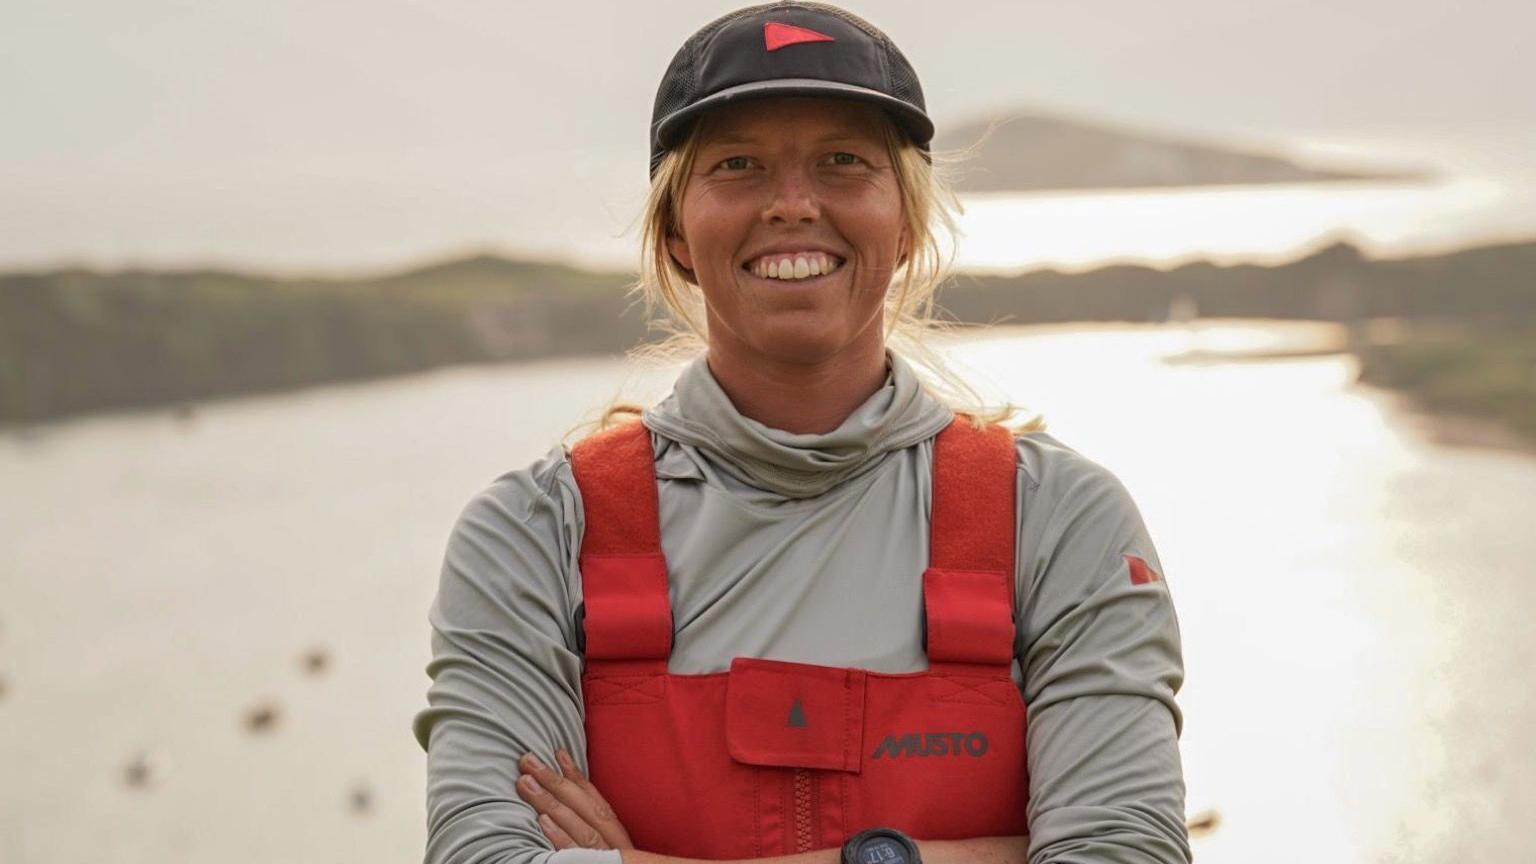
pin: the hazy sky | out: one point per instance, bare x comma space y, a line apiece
323, 135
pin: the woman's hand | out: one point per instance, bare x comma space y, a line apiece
572, 813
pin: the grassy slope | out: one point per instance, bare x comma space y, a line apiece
78, 340
1462, 368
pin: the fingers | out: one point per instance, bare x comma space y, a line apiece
601, 815
576, 830
556, 836
572, 805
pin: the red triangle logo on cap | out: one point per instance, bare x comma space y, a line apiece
776, 35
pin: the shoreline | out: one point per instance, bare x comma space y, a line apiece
1370, 343
1389, 353
1456, 430
77, 342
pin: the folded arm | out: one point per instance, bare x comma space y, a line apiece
505, 676
1098, 643
574, 815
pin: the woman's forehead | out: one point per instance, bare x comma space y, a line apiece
780, 117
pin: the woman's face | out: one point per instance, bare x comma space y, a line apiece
792, 225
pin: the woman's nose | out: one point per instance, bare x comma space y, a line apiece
794, 198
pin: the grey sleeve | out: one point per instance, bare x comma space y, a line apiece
505, 677
1102, 662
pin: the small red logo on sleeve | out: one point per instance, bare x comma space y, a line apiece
1141, 573
776, 35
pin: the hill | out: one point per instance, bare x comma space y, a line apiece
1032, 152
77, 340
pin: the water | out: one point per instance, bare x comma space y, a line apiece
1352, 597
1486, 198
1237, 224
1483, 190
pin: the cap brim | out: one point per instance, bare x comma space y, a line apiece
917, 125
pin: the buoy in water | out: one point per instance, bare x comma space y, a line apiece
1203, 823
316, 660
140, 771
360, 799
261, 718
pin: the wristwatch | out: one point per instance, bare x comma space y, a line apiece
880, 846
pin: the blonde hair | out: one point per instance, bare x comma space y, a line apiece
930, 206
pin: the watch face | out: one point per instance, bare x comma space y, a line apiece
881, 850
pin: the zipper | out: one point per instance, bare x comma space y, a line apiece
802, 785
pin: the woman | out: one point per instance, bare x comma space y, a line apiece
797, 611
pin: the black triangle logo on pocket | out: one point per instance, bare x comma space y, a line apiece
796, 715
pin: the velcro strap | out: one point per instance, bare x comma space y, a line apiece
970, 616
627, 612
616, 472
968, 587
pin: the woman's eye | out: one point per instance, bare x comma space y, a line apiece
735, 163
844, 158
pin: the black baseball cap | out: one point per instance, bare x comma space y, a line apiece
788, 48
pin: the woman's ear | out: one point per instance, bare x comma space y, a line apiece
678, 247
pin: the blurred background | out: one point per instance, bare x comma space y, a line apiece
283, 284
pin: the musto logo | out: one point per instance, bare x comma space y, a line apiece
932, 744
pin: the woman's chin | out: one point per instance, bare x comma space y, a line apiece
801, 338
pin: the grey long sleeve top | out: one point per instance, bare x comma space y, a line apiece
790, 546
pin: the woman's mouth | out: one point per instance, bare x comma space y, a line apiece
793, 266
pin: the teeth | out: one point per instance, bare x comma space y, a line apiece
798, 267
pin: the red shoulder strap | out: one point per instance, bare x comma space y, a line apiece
968, 587
623, 573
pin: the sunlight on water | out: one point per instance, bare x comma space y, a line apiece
1340, 587
1076, 231
1353, 599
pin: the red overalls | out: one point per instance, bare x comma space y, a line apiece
772, 757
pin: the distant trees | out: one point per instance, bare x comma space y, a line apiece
78, 340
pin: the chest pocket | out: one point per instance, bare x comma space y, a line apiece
795, 715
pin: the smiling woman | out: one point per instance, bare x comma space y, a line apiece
864, 148
791, 224
813, 607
